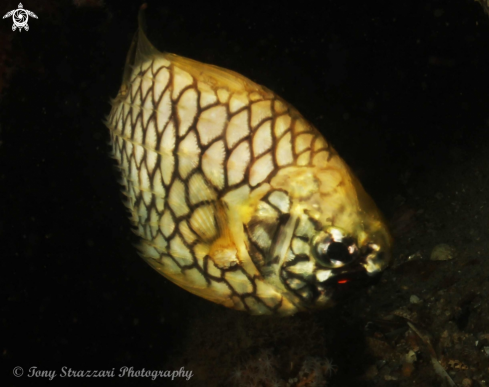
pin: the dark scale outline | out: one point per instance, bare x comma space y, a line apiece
133, 96
140, 196
289, 130
190, 247
127, 108
192, 244
303, 239
137, 98
204, 149
149, 208
309, 163
128, 128
254, 129
318, 138
285, 103
181, 266
116, 147
188, 214
199, 156
129, 167
133, 127
157, 101
169, 256
221, 134
267, 198
149, 94
244, 295
231, 187
152, 116
278, 223
139, 162
116, 121
273, 309
259, 123
206, 182
206, 269
153, 147
203, 203
165, 125
175, 103
199, 102
174, 219
215, 223
331, 153
313, 222
296, 153
275, 118
230, 116
155, 72
267, 178
193, 123
152, 177
254, 133
294, 145
273, 146
311, 285
167, 186
167, 205
253, 245
137, 203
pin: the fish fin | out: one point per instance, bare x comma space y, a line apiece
141, 49
217, 77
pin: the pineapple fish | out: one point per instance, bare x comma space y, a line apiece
236, 197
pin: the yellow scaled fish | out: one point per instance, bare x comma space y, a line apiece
236, 197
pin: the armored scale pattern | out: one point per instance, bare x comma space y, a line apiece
229, 187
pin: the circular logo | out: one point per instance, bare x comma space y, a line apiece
18, 371
20, 17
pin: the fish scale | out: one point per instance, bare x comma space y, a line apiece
229, 187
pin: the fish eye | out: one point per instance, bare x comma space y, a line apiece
334, 253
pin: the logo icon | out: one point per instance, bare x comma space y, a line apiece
20, 16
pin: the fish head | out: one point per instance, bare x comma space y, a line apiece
335, 238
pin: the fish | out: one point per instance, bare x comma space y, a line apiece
235, 196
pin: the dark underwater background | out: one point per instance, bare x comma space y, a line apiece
401, 89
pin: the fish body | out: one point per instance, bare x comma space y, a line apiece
236, 197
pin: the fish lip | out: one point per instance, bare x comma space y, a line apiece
368, 263
344, 279
346, 272
348, 280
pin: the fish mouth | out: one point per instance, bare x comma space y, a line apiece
363, 271
347, 281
